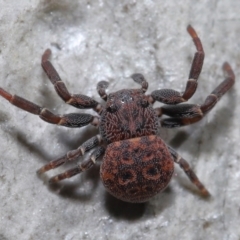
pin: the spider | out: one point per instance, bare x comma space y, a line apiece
136, 164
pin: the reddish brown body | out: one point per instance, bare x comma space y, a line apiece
137, 164
134, 170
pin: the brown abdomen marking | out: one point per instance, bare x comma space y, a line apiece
136, 169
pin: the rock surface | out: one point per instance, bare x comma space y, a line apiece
96, 40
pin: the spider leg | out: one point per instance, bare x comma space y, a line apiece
189, 172
101, 88
169, 96
76, 100
185, 114
67, 120
85, 165
139, 78
72, 155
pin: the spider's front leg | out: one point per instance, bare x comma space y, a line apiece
169, 96
67, 120
76, 100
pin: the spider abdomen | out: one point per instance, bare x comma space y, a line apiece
136, 169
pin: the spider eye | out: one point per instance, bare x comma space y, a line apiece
110, 97
126, 99
112, 108
144, 103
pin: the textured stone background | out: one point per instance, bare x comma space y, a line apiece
95, 40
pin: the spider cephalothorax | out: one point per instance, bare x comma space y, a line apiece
128, 114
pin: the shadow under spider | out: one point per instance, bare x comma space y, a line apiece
133, 211
124, 210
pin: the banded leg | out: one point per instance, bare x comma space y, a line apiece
67, 120
101, 88
76, 100
185, 114
189, 172
85, 165
169, 96
73, 154
139, 78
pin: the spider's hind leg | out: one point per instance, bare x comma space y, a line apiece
189, 172
73, 154
85, 165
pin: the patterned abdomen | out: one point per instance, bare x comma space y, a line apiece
136, 169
